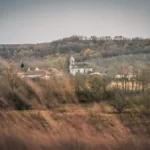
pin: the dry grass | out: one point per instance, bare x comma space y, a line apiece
71, 130
17, 93
67, 125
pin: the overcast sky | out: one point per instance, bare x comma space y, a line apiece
34, 21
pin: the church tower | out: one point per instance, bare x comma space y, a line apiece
71, 63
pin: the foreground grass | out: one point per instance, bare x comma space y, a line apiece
60, 114
72, 127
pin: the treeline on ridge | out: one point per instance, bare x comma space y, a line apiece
103, 46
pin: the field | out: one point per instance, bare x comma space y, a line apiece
74, 75
72, 113
72, 127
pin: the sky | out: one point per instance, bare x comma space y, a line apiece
37, 21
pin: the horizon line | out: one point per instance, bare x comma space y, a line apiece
88, 38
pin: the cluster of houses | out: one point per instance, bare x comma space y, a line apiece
128, 76
75, 68
83, 68
127, 73
40, 73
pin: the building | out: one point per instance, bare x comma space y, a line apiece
78, 68
36, 74
40, 73
98, 74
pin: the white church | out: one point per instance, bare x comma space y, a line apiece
78, 68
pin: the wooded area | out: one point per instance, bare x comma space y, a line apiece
102, 46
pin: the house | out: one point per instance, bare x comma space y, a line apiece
78, 68
37, 69
97, 74
20, 74
126, 73
40, 73
35, 74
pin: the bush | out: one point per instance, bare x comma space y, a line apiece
92, 89
120, 101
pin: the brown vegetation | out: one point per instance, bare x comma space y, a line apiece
73, 130
72, 113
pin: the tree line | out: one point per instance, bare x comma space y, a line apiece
106, 47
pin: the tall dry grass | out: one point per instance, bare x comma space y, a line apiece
39, 126
22, 94
44, 130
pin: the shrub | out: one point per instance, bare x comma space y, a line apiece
120, 101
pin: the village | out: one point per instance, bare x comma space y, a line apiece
75, 68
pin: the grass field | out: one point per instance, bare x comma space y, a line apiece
48, 115
70, 127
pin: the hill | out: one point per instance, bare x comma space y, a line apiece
79, 130
76, 112
100, 52
106, 46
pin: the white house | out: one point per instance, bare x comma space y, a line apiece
98, 74
78, 68
37, 69
128, 77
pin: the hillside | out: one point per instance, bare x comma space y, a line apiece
104, 46
75, 129
98, 52
76, 112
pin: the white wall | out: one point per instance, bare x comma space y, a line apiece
80, 70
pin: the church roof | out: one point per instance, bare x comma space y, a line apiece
81, 66
72, 58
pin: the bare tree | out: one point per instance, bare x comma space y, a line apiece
120, 102
12, 80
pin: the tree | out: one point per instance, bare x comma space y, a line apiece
120, 101
146, 102
88, 52
144, 78
22, 65
12, 80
